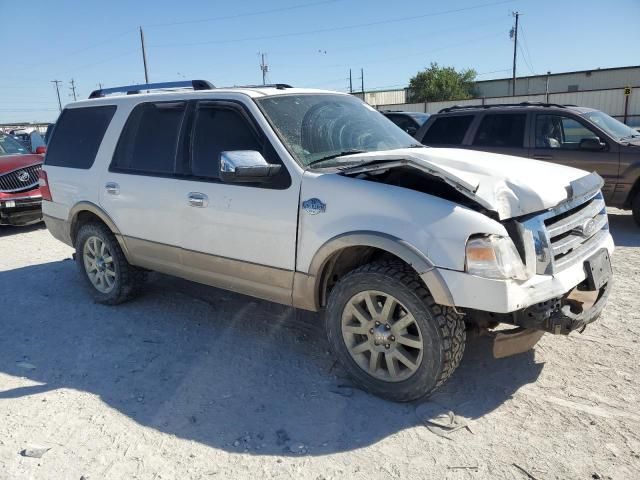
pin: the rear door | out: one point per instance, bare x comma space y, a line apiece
502, 133
139, 190
557, 139
240, 236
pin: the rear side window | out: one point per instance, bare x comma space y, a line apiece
219, 130
150, 139
506, 130
448, 130
77, 136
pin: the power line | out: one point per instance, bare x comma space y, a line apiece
526, 48
240, 15
335, 29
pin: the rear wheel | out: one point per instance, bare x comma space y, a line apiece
390, 335
111, 279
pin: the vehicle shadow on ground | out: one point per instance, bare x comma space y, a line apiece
7, 230
215, 367
624, 230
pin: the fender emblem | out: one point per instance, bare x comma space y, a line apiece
314, 206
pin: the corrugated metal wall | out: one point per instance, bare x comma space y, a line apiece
385, 97
609, 101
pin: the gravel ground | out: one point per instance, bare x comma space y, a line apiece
193, 382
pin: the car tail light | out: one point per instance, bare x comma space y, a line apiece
44, 186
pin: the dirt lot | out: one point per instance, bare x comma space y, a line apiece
193, 382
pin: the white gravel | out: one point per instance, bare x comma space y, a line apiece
193, 382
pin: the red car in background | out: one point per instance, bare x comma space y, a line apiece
20, 198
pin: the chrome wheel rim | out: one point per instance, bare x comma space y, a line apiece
99, 265
382, 336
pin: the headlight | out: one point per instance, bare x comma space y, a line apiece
493, 256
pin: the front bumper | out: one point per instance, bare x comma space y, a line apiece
20, 211
506, 296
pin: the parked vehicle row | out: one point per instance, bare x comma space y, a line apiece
313, 199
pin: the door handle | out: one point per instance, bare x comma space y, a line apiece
199, 200
112, 188
543, 157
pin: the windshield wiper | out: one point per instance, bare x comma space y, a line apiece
627, 137
335, 155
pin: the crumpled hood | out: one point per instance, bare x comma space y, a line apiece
511, 186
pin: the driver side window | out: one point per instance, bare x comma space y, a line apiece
218, 129
558, 131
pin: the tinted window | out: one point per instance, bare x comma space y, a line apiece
403, 122
9, 146
149, 142
448, 130
77, 137
557, 131
501, 131
219, 129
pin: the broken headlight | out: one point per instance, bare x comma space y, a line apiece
494, 256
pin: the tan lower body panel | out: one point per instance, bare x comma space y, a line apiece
261, 281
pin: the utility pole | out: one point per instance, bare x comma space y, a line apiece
57, 84
514, 35
350, 82
264, 67
362, 81
73, 90
144, 57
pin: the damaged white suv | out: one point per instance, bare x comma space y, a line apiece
315, 200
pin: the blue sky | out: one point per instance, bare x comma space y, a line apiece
310, 43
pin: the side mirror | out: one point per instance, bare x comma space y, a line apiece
592, 144
248, 166
41, 150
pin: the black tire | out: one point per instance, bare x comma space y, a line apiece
128, 279
442, 329
635, 208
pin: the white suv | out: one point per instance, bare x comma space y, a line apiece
313, 199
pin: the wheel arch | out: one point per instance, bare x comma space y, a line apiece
86, 212
347, 251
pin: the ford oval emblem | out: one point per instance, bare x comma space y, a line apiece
314, 206
586, 229
23, 176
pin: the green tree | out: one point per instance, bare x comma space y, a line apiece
435, 84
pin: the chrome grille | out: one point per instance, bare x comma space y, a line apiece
567, 233
20, 180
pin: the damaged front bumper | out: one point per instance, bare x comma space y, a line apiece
20, 211
559, 303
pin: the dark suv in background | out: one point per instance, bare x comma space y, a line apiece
410, 122
574, 136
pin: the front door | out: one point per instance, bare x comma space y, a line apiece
559, 139
237, 236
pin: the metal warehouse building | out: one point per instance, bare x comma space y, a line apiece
599, 79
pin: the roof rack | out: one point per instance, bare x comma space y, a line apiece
521, 104
134, 89
279, 86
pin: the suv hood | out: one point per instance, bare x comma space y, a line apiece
8, 163
508, 185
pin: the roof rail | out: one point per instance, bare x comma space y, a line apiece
279, 86
521, 104
133, 89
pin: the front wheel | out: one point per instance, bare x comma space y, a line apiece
390, 335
